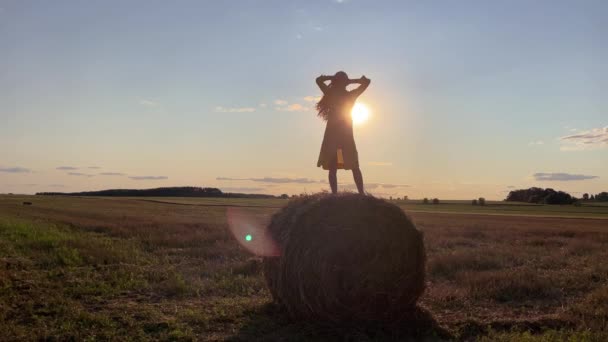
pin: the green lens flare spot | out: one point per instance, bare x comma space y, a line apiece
248, 237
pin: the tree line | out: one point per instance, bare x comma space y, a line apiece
551, 196
183, 191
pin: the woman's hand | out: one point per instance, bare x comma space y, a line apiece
361, 80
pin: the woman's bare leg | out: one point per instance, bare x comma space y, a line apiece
333, 180
358, 177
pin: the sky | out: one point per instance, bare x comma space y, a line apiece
468, 98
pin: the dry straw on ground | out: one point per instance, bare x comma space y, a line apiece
346, 258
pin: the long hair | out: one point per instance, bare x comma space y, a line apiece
329, 101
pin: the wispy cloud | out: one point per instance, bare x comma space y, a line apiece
280, 102
263, 105
57, 185
560, 176
112, 174
510, 186
377, 163
79, 174
271, 180
148, 177
148, 103
221, 109
294, 107
586, 140
374, 186
312, 98
15, 169
66, 168
537, 142
241, 189
94, 167
287, 180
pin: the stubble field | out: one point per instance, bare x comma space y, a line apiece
139, 269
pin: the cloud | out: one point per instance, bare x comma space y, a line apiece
287, 180
94, 167
380, 163
79, 174
560, 176
510, 186
592, 139
298, 36
312, 98
112, 174
283, 180
241, 189
57, 185
318, 28
221, 109
15, 169
280, 102
271, 180
148, 103
372, 186
148, 177
537, 142
294, 107
263, 105
66, 168
340, 1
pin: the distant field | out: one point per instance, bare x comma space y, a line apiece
510, 208
492, 207
168, 269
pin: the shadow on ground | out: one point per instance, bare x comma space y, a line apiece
271, 323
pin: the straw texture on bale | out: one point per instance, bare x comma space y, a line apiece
345, 258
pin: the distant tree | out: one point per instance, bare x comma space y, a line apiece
592, 198
585, 197
405, 198
284, 196
474, 202
482, 201
390, 198
539, 195
435, 200
602, 197
425, 201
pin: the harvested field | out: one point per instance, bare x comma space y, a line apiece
77, 268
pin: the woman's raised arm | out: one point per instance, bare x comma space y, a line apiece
321, 82
364, 83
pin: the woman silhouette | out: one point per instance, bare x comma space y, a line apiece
338, 150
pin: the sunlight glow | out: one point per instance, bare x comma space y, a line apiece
360, 113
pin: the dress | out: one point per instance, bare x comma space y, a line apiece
338, 148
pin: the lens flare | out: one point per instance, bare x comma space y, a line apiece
244, 225
359, 113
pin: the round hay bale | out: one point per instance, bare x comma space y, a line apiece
345, 258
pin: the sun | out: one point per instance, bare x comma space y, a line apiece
360, 113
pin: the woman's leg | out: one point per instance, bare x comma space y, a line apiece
333, 180
358, 177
